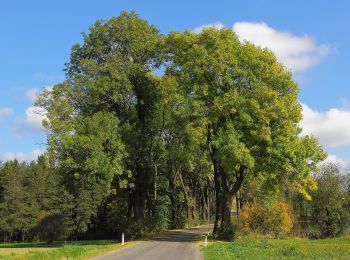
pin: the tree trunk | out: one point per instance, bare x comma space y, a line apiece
230, 192
140, 195
218, 200
173, 201
226, 209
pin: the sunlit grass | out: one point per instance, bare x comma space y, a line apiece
58, 250
266, 248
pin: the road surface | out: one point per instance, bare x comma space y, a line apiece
173, 245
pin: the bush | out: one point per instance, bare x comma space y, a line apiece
134, 231
51, 227
275, 219
282, 218
227, 232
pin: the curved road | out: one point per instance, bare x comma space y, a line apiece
174, 245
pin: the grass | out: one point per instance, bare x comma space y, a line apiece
267, 248
58, 250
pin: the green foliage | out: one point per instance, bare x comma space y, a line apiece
51, 226
18, 207
26, 192
327, 214
228, 232
247, 103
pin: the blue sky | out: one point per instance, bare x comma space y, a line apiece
309, 37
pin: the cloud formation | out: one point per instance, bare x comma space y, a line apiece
5, 112
21, 156
34, 118
32, 121
332, 127
297, 53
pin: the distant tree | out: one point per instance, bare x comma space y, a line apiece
329, 209
18, 208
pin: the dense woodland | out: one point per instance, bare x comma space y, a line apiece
152, 131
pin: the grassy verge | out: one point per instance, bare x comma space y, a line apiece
70, 250
265, 248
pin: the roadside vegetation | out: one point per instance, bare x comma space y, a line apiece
58, 250
272, 248
294, 229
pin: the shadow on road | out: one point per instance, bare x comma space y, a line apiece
185, 236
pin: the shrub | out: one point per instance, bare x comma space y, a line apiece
51, 227
283, 219
275, 219
227, 232
134, 231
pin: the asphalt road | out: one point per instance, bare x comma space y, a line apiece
174, 245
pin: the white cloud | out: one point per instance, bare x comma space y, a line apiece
5, 112
298, 53
216, 25
32, 94
32, 121
34, 118
332, 127
21, 156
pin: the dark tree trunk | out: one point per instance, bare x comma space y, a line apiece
130, 208
218, 200
140, 195
173, 201
230, 192
226, 209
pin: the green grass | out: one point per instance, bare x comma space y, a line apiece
58, 250
265, 248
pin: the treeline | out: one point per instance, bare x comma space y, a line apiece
28, 194
35, 205
152, 131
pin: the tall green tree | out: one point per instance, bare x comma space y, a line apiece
109, 77
248, 102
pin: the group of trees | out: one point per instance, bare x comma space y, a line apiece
327, 214
28, 194
152, 131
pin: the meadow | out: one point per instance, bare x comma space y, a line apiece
58, 250
271, 248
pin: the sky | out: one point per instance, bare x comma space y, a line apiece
310, 38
